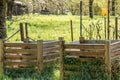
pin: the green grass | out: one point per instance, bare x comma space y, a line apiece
49, 73
50, 27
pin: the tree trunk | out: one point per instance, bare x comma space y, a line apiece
90, 8
113, 7
9, 9
2, 19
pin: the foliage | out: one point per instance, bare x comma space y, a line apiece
104, 12
97, 9
49, 73
88, 71
63, 6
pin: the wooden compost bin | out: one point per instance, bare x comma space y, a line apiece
108, 51
26, 55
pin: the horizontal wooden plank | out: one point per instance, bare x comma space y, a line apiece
86, 53
51, 43
30, 45
49, 64
19, 63
24, 67
115, 45
114, 58
50, 50
115, 52
21, 51
49, 46
75, 67
20, 57
51, 60
85, 46
83, 59
51, 56
88, 42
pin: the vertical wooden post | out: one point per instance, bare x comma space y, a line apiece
108, 23
40, 55
1, 56
107, 57
81, 19
61, 57
22, 32
116, 28
26, 31
81, 40
105, 29
71, 26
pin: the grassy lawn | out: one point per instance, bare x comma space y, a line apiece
50, 27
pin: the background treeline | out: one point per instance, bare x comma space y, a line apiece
91, 7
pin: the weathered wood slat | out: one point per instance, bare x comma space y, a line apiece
18, 67
21, 51
80, 59
117, 42
115, 45
19, 63
86, 53
78, 67
30, 45
115, 50
115, 53
51, 43
85, 46
51, 56
18, 57
115, 58
50, 50
49, 46
50, 63
51, 60
89, 42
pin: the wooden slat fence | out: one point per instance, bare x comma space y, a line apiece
108, 52
115, 52
22, 55
41, 53
81, 53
